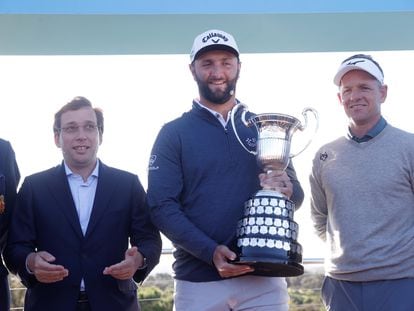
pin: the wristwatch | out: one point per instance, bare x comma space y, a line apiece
144, 263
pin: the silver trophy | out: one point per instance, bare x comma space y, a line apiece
267, 234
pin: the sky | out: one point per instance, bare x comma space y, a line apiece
139, 93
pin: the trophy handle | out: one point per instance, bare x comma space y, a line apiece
245, 122
304, 127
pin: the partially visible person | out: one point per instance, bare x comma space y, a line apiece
362, 187
72, 225
9, 180
199, 178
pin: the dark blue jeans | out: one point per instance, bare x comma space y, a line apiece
387, 295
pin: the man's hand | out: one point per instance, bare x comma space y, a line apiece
40, 265
126, 268
221, 257
278, 181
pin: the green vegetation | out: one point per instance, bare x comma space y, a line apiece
156, 293
304, 291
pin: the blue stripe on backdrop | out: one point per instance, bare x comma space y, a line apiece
200, 7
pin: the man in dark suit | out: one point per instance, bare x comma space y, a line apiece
69, 234
9, 179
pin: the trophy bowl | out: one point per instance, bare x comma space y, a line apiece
267, 234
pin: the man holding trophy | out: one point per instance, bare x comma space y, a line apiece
199, 180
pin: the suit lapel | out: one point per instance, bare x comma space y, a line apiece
104, 190
60, 190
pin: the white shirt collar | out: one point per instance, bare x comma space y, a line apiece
95, 172
215, 113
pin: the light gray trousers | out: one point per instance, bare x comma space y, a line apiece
242, 293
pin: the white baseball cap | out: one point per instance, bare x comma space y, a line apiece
359, 62
213, 40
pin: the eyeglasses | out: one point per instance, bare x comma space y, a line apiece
74, 129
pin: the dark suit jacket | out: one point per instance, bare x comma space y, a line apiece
45, 219
9, 178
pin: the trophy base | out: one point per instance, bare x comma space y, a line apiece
271, 267
267, 236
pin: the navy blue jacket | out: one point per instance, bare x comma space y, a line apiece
199, 178
45, 219
9, 179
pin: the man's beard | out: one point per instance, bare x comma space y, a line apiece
217, 97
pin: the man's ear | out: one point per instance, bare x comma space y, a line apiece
57, 140
339, 97
192, 69
384, 92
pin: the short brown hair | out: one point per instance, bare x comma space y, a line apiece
77, 103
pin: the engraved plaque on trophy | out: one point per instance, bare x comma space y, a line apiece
267, 234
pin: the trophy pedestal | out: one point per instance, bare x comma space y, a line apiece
268, 268
267, 236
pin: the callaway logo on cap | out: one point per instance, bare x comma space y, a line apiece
359, 62
213, 40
